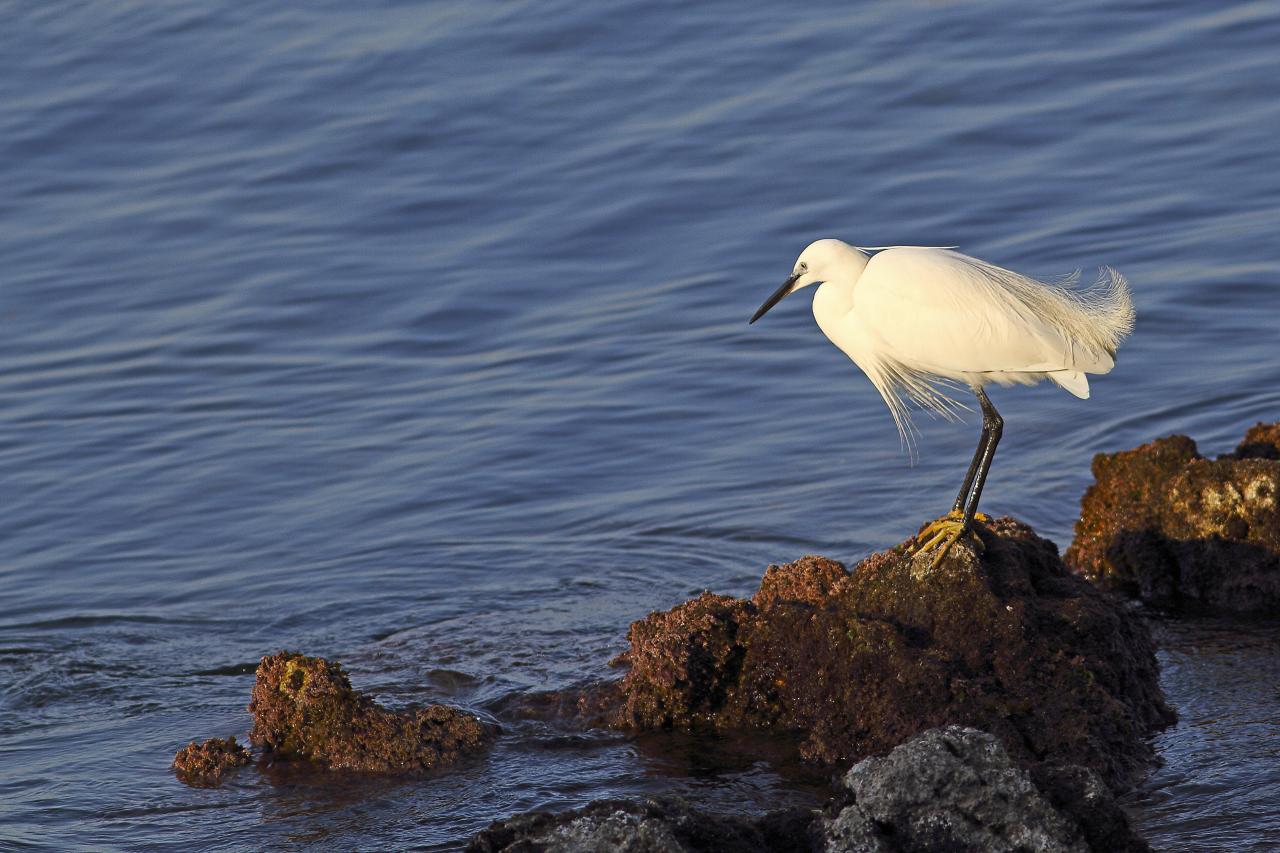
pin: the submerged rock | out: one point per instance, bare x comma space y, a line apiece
953, 789
202, 765
1007, 640
1166, 525
305, 707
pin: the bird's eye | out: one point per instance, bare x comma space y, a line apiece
803, 266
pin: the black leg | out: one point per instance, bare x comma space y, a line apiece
992, 429
973, 470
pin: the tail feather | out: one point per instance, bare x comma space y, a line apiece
1072, 380
1094, 319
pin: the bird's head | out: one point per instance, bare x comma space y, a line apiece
822, 260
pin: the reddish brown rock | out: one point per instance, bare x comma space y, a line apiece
689, 658
202, 765
1008, 641
810, 579
1166, 525
305, 707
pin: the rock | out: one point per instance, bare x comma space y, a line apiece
684, 662
1262, 441
854, 664
202, 765
809, 579
951, 790
1164, 524
1081, 794
653, 825
957, 790
305, 707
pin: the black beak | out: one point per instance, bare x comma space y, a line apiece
775, 298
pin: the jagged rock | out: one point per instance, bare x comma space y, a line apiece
957, 790
1166, 525
305, 707
1008, 640
202, 765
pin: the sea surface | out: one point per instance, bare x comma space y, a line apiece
414, 335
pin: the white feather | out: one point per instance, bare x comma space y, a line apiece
922, 322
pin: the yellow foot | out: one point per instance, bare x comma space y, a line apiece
942, 534
928, 534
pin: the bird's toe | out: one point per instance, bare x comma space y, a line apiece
941, 534
948, 541
928, 535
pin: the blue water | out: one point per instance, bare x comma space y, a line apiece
415, 335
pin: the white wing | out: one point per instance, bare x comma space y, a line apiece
922, 317
944, 313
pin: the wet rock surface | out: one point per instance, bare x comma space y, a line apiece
952, 789
305, 708
854, 663
203, 765
1166, 525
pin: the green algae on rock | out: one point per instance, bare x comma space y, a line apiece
1166, 525
202, 765
1003, 638
304, 707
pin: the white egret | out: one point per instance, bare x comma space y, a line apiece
921, 321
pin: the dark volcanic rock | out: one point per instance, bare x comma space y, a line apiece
1166, 525
655, 825
951, 790
1081, 795
957, 790
305, 707
202, 765
856, 663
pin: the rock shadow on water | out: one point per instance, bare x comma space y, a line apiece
1164, 524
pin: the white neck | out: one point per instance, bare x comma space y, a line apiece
831, 305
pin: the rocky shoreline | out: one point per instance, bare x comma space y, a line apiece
998, 702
